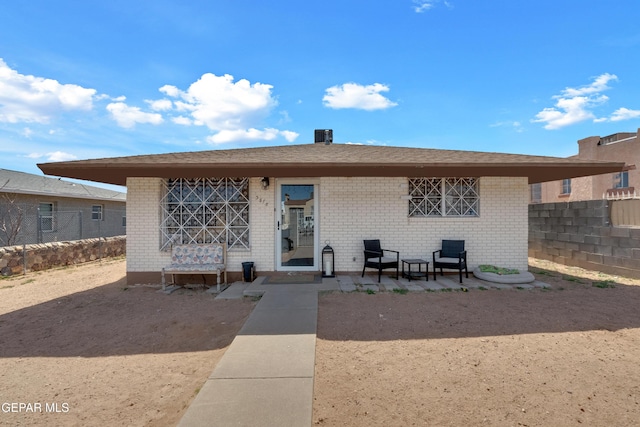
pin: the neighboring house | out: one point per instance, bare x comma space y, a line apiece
409, 198
37, 209
619, 147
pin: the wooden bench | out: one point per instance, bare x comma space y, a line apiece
203, 259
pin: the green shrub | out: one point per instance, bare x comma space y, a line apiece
497, 270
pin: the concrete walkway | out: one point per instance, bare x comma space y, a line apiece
265, 378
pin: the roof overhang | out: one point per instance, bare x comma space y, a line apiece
336, 160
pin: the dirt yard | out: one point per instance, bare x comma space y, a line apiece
79, 347
560, 357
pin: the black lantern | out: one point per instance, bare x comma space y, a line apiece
328, 261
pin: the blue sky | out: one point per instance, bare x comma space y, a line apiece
84, 79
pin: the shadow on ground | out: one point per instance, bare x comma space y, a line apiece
116, 320
569, 306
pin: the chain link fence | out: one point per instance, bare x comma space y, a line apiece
24, 224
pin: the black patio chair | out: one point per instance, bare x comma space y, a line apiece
453, 256
374, 257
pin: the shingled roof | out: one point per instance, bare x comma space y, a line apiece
316, 160
27, 183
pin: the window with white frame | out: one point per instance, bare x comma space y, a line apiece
566, 186
451, 197
46, 216
205, 210
96, 212
621, 179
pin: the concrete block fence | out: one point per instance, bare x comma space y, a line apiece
35, 257
580, 234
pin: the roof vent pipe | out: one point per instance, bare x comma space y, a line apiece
323, 136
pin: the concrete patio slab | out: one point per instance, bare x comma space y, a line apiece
415, 286
447, 283
366, 280
369, 288
431, 286
388, 283
346, 283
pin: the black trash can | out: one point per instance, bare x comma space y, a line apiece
247, 271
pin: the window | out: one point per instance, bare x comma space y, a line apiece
621, 180
124, 221
45, 213
96, 212
536, 193
566, 186
205, 210
444, 197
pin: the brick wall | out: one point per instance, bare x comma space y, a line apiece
354, 209
143, 229
143, 225
350, 210
14, 259
580, 234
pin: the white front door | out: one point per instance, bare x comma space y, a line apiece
296, 225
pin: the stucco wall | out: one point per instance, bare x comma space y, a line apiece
593, 187
352, 209
71, 218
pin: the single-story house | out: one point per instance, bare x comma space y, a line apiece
39, 209
279, 206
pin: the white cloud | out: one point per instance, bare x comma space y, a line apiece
25, 98
289, 135
160, 104
231, 109
575, 105
182, 120
170, 90
55, 156
624, 114
353, 95
226, 136
420, 6
598, 85
60, 156
222, 104
127, 116
423, 5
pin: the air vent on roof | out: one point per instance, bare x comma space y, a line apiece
323, 136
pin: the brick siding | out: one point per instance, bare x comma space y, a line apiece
350, 210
